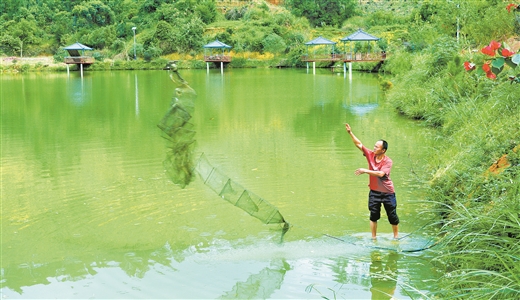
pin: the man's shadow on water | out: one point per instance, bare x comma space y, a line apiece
383, 274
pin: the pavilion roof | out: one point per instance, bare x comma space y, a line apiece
77, 46
320, 41
360, 35
217, 44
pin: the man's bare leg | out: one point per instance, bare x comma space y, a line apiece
373, 228
395, 229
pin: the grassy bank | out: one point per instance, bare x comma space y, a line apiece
474, 170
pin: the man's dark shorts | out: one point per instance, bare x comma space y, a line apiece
375, 199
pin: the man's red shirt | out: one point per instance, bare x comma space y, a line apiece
380, 184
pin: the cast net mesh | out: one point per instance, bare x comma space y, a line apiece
235, 194
180, 136
181, 142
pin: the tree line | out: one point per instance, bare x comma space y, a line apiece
41, 27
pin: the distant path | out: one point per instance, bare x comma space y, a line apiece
44, 60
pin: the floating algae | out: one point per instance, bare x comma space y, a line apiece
179, 165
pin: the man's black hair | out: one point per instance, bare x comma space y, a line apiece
385, 144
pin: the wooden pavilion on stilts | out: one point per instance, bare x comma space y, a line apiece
325, 50
360, 56
322, 50
75, 58
217, 52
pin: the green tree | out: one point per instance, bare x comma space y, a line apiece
207, 11
19, 35
163, 37
274, 43
9, 44
168, 12
61, 26
323, 12
429, 10
93, 13
150, 6
102, 37
250, 38
188, 35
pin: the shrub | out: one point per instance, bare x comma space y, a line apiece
25, 68
238, 62
273, 43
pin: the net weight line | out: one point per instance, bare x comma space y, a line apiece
428, 245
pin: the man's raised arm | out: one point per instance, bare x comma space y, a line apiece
356, 141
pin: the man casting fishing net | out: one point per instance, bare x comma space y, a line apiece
381, 186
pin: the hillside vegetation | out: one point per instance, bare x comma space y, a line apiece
447, 66
255, 29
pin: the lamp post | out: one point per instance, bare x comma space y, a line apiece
133, 29
458, 26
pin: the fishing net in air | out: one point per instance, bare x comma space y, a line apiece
180, 133
180, 136
181, 142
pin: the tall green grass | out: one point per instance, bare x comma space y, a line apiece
479, 252
478, 211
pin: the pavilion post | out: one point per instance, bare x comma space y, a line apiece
81, 70
222, 68
207, 67
313, 68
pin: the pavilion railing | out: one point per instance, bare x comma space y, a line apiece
217, 58
79, 60
349, 56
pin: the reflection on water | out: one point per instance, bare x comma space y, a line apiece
89, 212
80, 90
383, 274
136, 96
260, 285
362, 103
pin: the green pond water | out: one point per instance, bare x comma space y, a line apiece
88, 210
